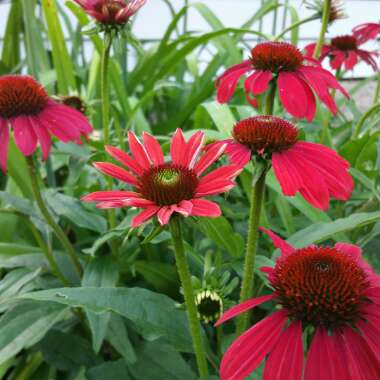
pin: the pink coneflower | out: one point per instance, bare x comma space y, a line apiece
344, 51
366, 32
34, 117
111, 12
296, 81
313, 170
328, 293
162, 188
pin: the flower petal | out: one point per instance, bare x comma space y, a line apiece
285, 362
4, 138
25, 138
111, 195
177, 147
43, 136
258, 82
238, 153
243, 307
285, 248
144, 216
184, 208
193, 147
138, 151
212, 154
125, 159
164, 214
153, 149
116, 172
204, 207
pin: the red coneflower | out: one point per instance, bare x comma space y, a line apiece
366, 32
113, 12
296, 81
162, 188
314, 170
328, 293
344, 51
34, 116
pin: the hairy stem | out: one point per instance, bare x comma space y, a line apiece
325, 23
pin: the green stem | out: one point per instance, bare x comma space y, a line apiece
249, 264
31, 366
325, 23
377, 91
362, 120
49, 219
269, 103
187, 287
295, 25
104, 86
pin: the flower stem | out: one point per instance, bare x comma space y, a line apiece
104, 88
325, 23
377, 91
295, 25
192, 312
269, 104
257, 198
48, 217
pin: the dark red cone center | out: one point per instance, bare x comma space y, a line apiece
21, 96
345, 43
109, 9
168, 184
276, 57
320, 286
265, 134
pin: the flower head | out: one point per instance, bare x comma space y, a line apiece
366, 32
329, 291
209, 304
344, 51
111, 12
26, 107
163, 188
313, 170
298, 82
336, 9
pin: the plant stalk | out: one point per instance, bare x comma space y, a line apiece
295, 25
48, 217
377, 91
187, 287
325, 23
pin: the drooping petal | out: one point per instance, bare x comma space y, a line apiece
247, 351
204, 207
351, 250
226, 84
258, 82
337, 59
285, 248
209, 157
177, 147
371, 334
239, 154
292, 94
144, 216
25, 138
4, 138
43, 136
243, 307
285, 362
164, 214
138, 151
116, 172
351, 60
153, 148
125, 159
288, 177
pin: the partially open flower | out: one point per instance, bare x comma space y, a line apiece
209, 304
336, 9
74, 102
313, 170
330, 292
344, 51
163, 188
111, 12
298, 79
366, 32
26, 107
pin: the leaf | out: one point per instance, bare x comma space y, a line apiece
72, 209
67, 351
117, 335
116, 370
100, 272
157, 361
322, 231
153, 315
221, 232
25, 324
221, 115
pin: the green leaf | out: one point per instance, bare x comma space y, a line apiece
26, 324
100, 272
221, 232
67, 351
116, 370
221, 115
153, 315
72, 209
157, 361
